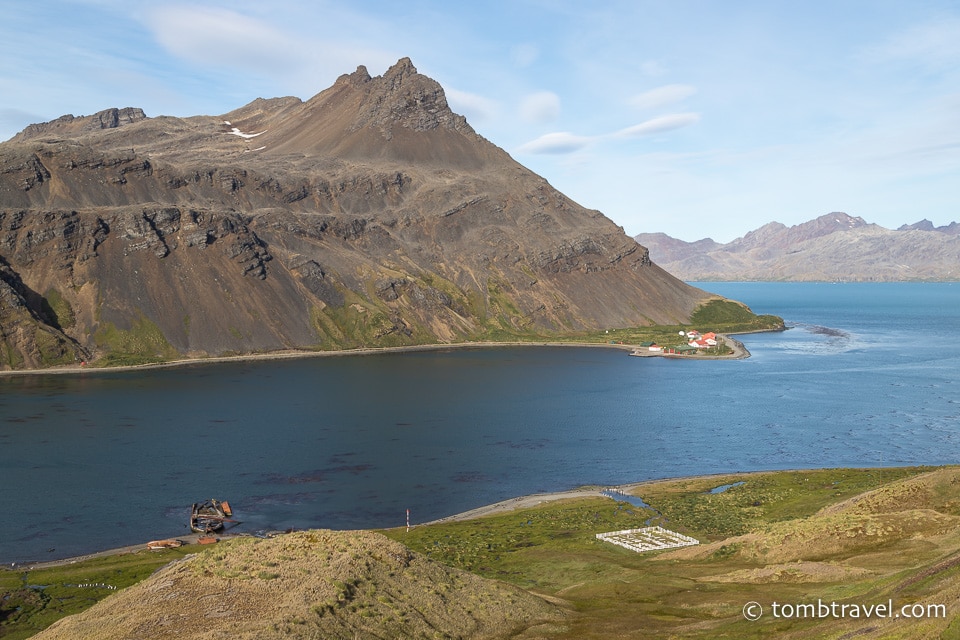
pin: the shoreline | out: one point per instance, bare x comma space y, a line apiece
34, 565
739, 352
534, 499
503, 506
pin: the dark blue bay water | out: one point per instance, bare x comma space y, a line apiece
867, 377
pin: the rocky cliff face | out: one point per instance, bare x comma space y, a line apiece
833, 247
369, 215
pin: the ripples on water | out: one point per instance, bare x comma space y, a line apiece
107, 459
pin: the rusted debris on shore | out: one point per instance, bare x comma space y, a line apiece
210, 515
169, 543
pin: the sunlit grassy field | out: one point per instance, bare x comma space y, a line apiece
849, 536
789, 537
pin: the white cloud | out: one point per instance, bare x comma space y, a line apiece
540, 107
221, 37
565, 142
663, 96
932, 45
524, 55
652, 68
475, 108
659, 125
560, 142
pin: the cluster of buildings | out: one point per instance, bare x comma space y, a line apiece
707, 340
695, 342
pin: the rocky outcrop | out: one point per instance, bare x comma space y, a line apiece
405, 99
30, 331
68, 124
369, 215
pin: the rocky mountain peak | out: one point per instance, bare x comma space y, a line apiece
69, 124
396, 74
113, 118
776, 234
839, 220
401, 117
951, 229
825, 225
404, 97
923, 225
358, 77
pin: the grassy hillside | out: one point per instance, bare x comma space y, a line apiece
844, 537
851, 536
311, 584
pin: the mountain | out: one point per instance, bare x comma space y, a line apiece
952, 229
833, 247
368, 215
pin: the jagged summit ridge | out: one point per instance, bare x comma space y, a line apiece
401, 97
925, 225
404, 97
371, 119
358, 77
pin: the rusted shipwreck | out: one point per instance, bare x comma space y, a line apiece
210, 516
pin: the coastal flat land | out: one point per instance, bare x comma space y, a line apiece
854, 537
724, 317
737, 350
850, 536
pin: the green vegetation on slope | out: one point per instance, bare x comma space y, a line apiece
52, 348
56, 306
143, 343
30, 601
718, 316
763, 499
540, 548
10, 355
853, 536
699, 592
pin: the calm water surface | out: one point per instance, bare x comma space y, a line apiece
867, 376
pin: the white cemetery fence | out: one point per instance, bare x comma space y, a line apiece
648, 539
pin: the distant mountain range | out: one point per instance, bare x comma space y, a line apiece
833, 247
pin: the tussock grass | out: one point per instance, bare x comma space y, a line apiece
32, 600
311, 584
854, 536
850, 535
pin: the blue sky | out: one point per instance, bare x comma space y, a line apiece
697, 119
